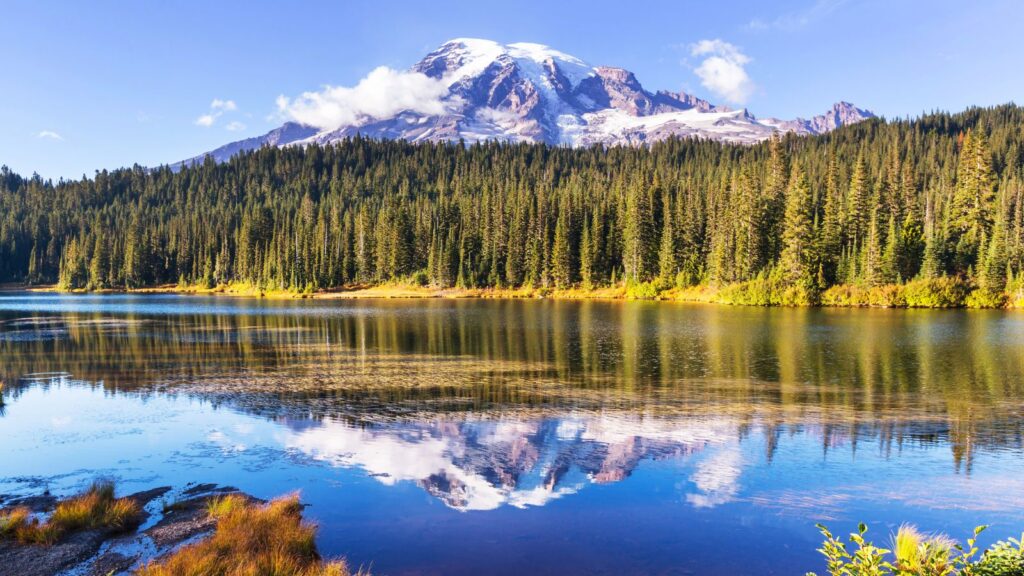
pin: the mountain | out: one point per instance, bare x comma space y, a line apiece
530, 92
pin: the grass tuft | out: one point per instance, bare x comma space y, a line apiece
251, 539
13, 520
95, 508
917, 553
221, 506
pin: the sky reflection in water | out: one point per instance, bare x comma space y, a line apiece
460, 437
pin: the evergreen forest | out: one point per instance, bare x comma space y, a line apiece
921, 212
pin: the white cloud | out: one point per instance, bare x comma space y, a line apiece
722, 70
225, 105
235, 126
49, 135
717, 478
217, 109
798, 19
382, 93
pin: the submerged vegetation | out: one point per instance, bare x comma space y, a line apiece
96, 508
926, 212
915, 554
251, 538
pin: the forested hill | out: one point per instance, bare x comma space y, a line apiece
872, 204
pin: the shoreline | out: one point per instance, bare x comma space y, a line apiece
169, 518
839, 296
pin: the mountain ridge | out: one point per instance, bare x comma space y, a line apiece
524, 92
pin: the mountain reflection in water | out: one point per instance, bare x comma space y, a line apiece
484, 464
576, 426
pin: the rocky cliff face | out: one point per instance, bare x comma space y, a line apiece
530, 92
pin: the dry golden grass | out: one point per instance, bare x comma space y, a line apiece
251, 540
95, 508
13, 520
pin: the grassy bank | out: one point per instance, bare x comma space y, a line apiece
96, 508
941, 292
251, 538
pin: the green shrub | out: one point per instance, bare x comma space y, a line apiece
942, 292
763, 290
915, 554
844, 295
642, 290
420, 278
983, 298
1005, 558
887, 296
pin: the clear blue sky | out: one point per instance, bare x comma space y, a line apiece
104, 84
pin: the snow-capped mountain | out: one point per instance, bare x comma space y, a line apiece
530, 92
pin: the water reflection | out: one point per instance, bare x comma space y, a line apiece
649, 435
484, 464
951, 378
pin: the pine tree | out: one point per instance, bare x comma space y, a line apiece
667, 263
993, 276
972, 208
930, 262
798, 252
562, 265
638, 235
774, 198
99, 264
587, 258
858, 202
889, 271
832, 227
871, 269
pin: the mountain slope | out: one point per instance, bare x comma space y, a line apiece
530, 92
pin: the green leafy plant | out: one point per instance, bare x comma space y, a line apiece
915, 554
1004, 558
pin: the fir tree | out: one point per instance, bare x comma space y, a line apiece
798, 252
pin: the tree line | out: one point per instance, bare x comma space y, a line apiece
873, 204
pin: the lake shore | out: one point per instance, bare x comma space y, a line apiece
839, 296
168, 519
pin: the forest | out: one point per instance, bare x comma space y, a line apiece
912, 212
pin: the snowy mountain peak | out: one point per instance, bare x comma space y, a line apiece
523, 91
840, 114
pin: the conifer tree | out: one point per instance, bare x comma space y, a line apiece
798, 252
667, 263
638, 235
562, 266
973, 198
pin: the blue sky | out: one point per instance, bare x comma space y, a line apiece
104, 84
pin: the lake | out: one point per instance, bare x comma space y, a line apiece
542, 437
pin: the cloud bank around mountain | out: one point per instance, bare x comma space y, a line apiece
383, 93
722, 70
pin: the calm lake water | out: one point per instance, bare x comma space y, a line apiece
511, 437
